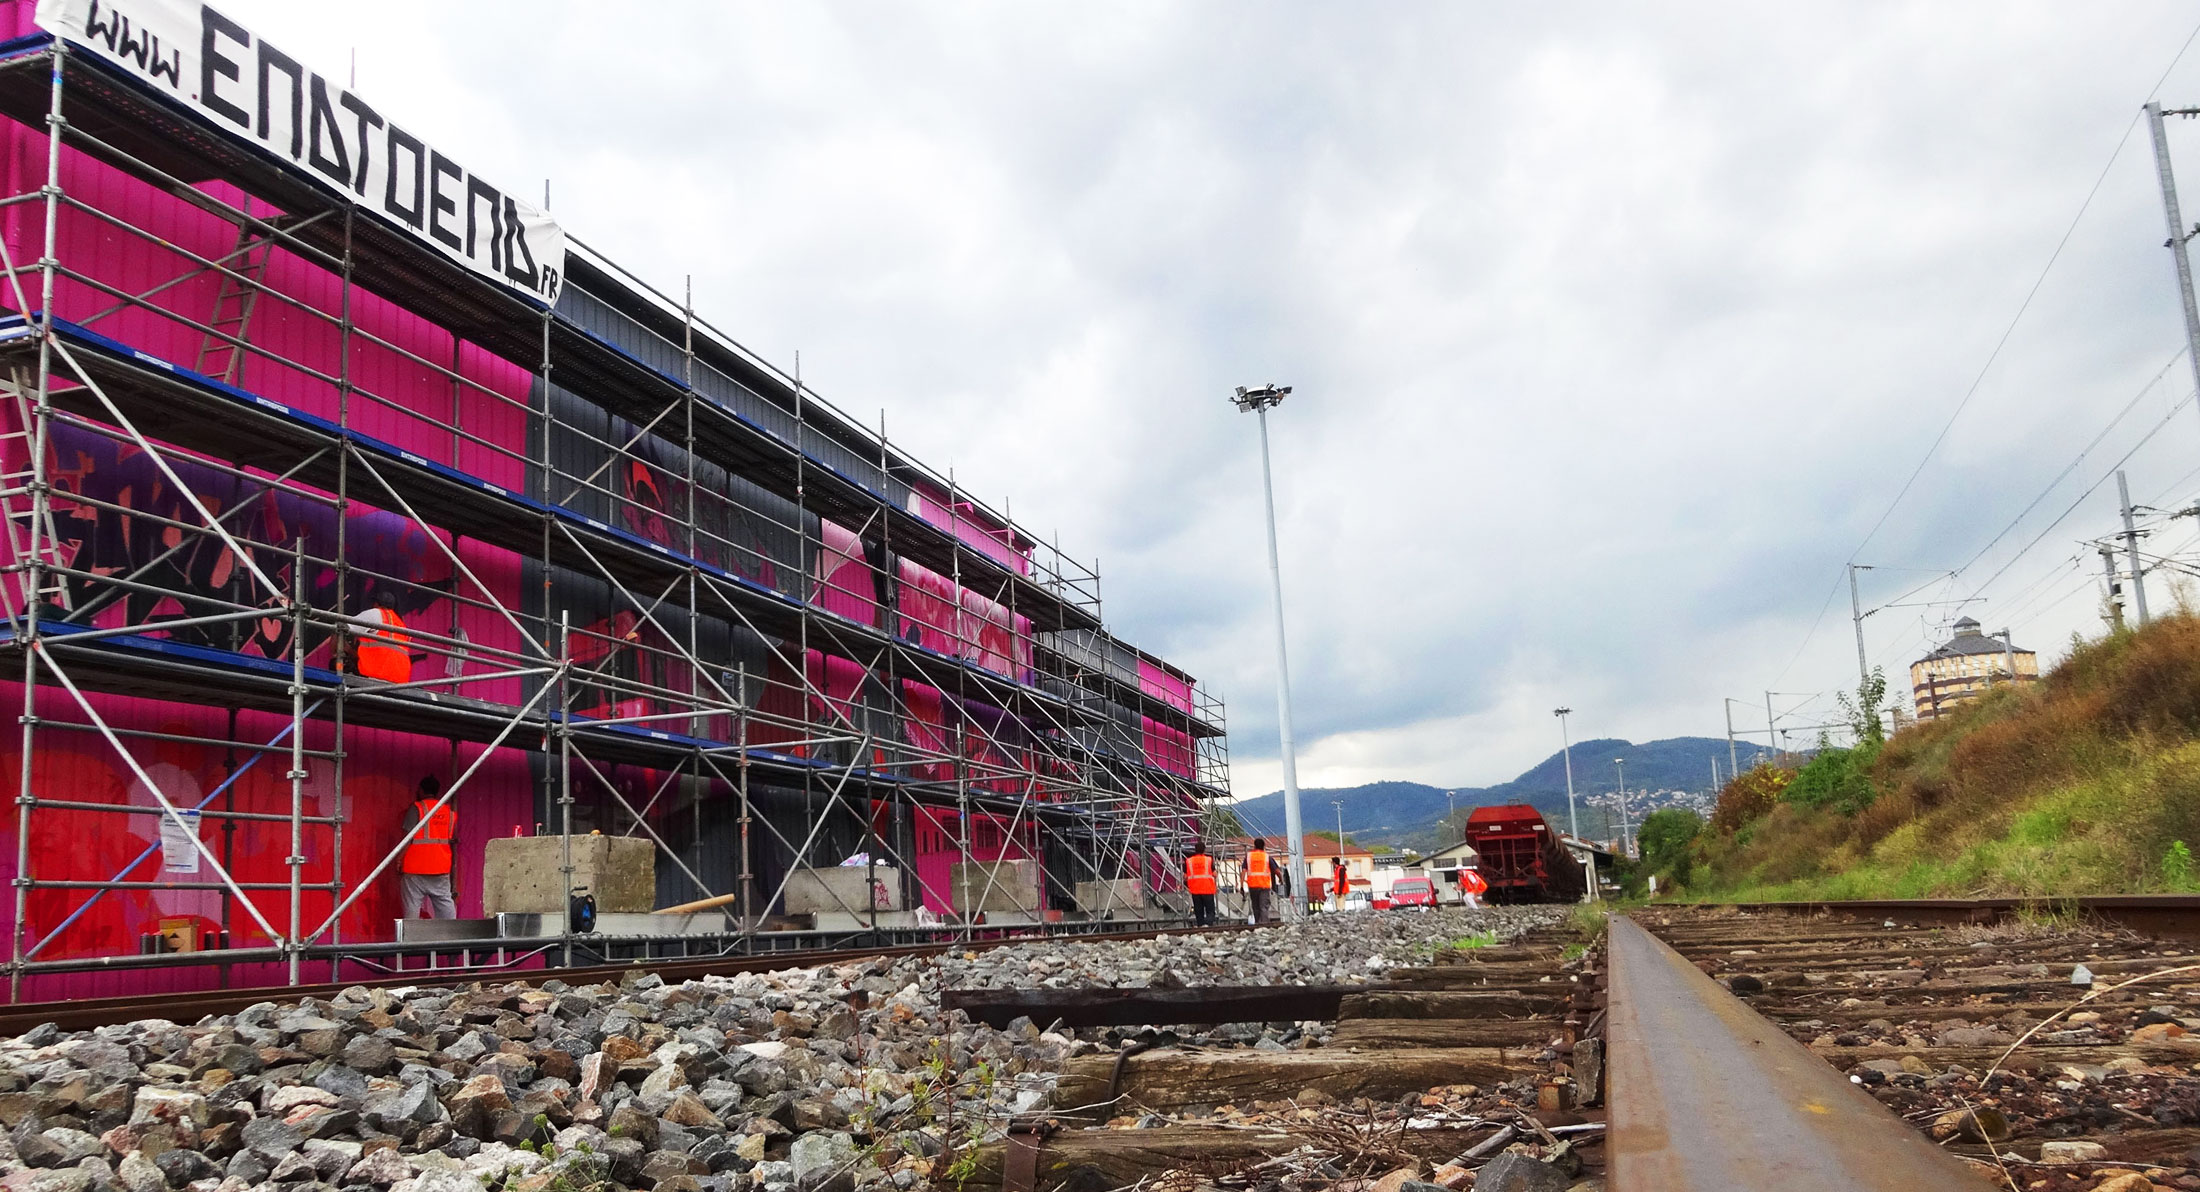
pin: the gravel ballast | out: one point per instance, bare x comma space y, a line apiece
800, 1080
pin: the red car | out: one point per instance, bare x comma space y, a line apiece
1412, 891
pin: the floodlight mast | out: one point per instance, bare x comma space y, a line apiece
1259, 399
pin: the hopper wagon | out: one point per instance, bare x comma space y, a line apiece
1521, 857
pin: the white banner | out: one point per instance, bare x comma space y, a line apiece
178, 853
249, 90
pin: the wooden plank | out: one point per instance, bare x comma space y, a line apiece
1104, 1006
1790, 1012
1452, 1004
2167, 1147
1461, 976
1372, 1033
2028, 1058
1171, 1080
1094, 1160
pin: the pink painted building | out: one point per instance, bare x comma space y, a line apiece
649, 582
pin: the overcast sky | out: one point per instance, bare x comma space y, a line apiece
1614, 333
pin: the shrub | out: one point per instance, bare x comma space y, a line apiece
1837, 779
1664, 838
1749, 796
2157, 687
2177, 866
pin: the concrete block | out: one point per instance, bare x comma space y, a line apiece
1125, 897
840, 889
843, 921
1002, 886
521, 873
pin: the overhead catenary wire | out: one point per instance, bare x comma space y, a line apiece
2089, 490
1994, 355
2075, 464
1999, 344
2079, 460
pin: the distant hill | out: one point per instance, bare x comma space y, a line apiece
1411, 814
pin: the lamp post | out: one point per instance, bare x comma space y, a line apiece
1566, 748
1626, 828
1258, 400
1451, 809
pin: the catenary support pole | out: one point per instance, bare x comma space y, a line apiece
2131, 549
1733, 764
2177, 234
1772, 730
2115, 591
1856, 615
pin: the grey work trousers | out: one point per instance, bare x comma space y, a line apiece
435, 888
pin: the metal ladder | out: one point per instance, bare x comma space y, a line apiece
240, 292
17, 509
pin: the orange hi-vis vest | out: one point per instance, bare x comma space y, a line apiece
1199, 873
1474, 882
1257, 876
383, 654
428, 849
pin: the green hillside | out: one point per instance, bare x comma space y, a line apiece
2087, 782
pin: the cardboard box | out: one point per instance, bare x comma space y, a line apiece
521, 873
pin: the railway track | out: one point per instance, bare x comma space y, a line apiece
1789, 1048
1893, 1046
1432, 1072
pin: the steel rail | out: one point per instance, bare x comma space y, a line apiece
1705, 1093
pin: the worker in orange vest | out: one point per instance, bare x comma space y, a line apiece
382, 650
429, 830
1473, 885
1260, 878
1199, 880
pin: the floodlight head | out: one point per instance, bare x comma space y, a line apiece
1560, 711
1259, 397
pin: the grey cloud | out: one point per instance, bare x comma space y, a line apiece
1613, 331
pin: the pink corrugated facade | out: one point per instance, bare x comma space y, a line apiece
480, 428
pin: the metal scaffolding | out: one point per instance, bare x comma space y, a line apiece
703, 571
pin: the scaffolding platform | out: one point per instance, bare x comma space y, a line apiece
651, 584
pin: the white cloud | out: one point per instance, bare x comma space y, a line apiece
1613, 333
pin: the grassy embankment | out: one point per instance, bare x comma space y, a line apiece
2087, 782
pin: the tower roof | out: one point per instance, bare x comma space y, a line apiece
1968, 640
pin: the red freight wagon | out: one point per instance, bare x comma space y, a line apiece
1521, 857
